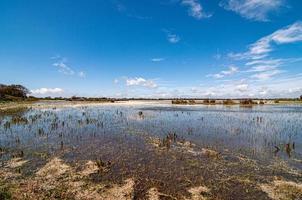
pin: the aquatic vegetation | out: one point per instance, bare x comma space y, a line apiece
5, 193
102, 166
150, 151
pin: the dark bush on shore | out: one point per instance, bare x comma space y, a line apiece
206, 101
181, 101
228, 102
209, 101
247, 102
102, 99
13, 92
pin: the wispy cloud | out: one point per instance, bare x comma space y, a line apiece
258, 56
232, 70
49, 91
157, 59
266, 74
63, 67
262, 47
122, 8
82, 74
116, 81
173, 38
195, 9
264, 62
139, 81
262, 68
258, 10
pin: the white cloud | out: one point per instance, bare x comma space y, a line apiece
258, 10
258, 55
195, 9
157, 59
138, 81
82, 74
242, 87
280, 87
283, 86
289, 34
43, 91
232, 70
261, 48
217, 75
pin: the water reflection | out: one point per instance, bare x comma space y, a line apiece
261, 132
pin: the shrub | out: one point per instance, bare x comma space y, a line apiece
247, 102
228, 102
11, 92
212, 101
206, 101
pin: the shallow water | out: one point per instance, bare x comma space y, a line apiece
120, 133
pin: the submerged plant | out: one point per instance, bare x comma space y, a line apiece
102, 166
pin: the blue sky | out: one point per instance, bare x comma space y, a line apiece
153, 48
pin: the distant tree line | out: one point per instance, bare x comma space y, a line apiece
19, 92
13, 92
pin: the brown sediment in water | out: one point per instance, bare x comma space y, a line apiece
91, 153
59, 179
56, 179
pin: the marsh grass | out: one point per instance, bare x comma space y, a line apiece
5, 193
164, 152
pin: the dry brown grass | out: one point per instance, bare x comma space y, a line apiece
283, 190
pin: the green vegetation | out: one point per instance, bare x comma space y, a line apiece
5, 193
